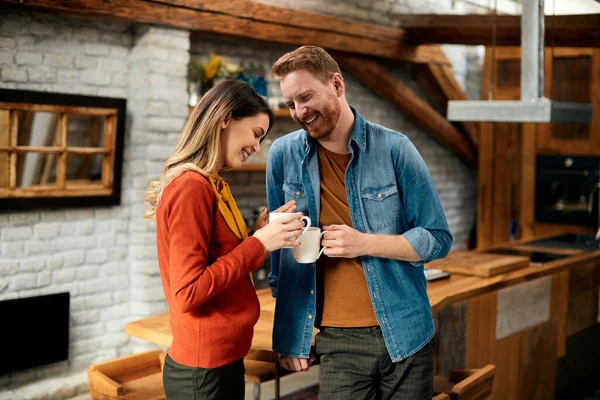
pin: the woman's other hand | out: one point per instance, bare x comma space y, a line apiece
263, 218
282, 232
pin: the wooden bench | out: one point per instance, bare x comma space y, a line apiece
139, 377
471, 384
132, 377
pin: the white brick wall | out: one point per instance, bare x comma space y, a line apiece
106, 257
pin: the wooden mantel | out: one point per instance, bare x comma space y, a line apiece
252, 20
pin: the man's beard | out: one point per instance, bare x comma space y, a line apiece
328, 120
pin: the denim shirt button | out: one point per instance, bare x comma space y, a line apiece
312, 292
297, 193
310, 317
378, 195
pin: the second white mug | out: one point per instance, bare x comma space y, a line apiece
309, 249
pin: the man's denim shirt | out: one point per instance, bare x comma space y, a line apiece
390, 192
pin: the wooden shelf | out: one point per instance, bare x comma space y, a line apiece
281, 113
250, 167
277, 112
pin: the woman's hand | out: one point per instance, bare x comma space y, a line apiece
282, 232
263, 218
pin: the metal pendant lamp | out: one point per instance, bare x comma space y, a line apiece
533, 106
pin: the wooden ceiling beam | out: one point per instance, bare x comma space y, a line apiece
439, 83
288, 16
181, 14
381, 81
561, 30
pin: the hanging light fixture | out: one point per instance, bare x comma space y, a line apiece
533, 106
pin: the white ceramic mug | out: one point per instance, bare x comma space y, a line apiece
274, 215
309, 249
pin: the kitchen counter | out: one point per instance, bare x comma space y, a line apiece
460, 287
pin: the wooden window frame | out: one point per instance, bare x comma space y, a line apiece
63, 194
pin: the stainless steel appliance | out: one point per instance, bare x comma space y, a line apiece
567, 189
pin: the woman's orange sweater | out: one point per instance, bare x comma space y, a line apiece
204, 269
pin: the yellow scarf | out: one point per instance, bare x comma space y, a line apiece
228, 208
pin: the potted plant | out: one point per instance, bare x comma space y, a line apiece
196, 76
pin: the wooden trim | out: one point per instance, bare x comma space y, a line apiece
98, 112
485, 189
382, 82
55, 149
595, 100
4, 140
148, 12
13, 132
560, 30
61, 161
562, 52
559, 308
527, 211
70, 190
109, 144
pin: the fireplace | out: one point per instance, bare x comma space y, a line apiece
35, 331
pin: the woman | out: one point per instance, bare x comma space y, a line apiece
204, 252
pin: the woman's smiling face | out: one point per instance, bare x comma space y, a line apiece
240, 138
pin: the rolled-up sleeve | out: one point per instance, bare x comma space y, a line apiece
429, 234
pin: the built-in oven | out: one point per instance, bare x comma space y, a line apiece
567, 189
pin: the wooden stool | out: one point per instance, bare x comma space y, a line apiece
258, 372
471, 384
132, 377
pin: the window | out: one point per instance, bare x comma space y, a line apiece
59, 150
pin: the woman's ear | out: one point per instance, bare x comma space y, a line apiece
226, 121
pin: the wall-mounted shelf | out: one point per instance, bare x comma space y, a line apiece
281, 113
250, 167
277, 112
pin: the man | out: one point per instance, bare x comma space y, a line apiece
370, 191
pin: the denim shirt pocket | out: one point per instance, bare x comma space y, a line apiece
381, 204
295, 191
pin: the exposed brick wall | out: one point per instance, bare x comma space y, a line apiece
105, 257
82, 251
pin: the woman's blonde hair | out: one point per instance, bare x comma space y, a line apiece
199, 148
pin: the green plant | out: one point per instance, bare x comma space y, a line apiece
196, 71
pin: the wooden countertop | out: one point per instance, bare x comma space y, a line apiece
460, 287
156, 329
441, 293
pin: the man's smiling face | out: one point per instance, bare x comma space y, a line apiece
313, 104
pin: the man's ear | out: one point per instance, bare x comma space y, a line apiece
338, 84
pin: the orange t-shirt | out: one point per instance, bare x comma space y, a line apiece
204, 269
342, 294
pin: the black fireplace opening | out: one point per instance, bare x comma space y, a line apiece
35, 331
